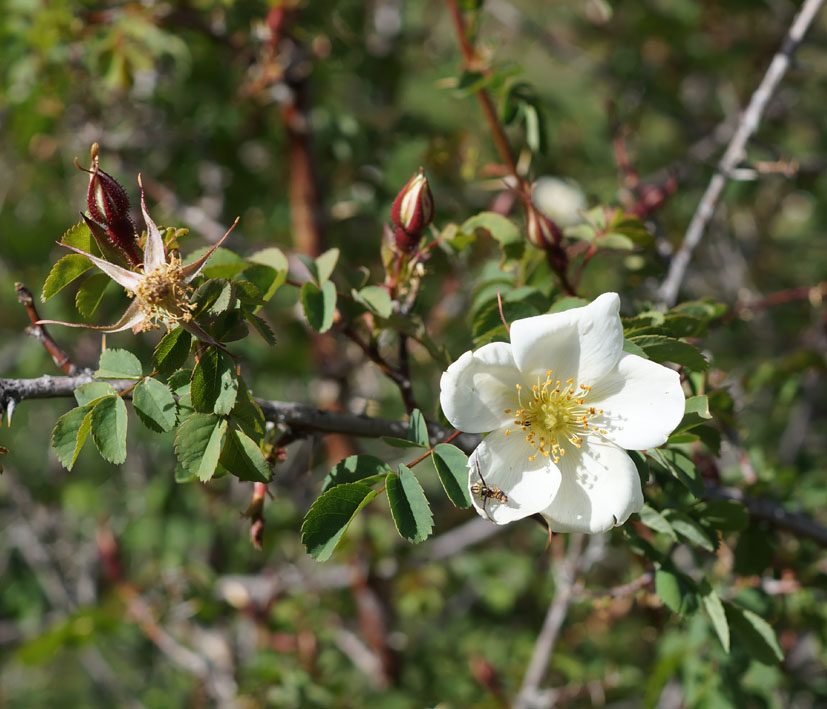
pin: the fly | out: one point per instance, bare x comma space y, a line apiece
485, 491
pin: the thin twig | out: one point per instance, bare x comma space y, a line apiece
39, 332
470, 62
396, 375
735, 151
558, 609
626, 589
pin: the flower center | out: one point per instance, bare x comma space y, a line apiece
553, 415
163, 295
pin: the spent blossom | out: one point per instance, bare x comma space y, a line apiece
562, 402
159, 287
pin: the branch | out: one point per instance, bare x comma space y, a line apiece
300, 418
735, 151
772, 512
470, 62
530, 695
303, 420
39, 332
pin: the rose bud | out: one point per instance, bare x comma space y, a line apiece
413, 208
542, 232
108, 205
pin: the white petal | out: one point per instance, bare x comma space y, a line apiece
124, 278
132, 316
154, 256
643, 403
582, 343
193, 269
503, 461
599, 490
476, 390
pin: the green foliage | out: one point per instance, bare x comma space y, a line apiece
354, 468
409, 506
66, 270
90, 294
243, 458
452, 468
108, 426
172, 351
187, 98
198, 444
214, 383
331, 515
118, 364
319, 305
155, 405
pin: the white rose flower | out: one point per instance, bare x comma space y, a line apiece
562, 402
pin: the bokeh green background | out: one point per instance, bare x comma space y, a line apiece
168, 89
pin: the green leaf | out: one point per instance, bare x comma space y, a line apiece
632, 348
222, 264
656, 521
118, 364
726, 515
642, 466
322, 267
262, 327
80, 237
92, 391
401, 442
155, 405
695, 413
353, 468
755, 635
268, 271
198, 444
90, 294
325, 265
667, 349
715, 610
214, 384
691, 530
247, 413
319, 305
328, 519
243, 458
271, 257
676, 590
376, 299
66, 270
418, 429
567, 303
213, 297
70, 433
109, 428
452, 468
409, 506
172, 351
487, 323
682, 468
499, 228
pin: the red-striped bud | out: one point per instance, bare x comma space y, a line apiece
542, 232
108, 205
413, 208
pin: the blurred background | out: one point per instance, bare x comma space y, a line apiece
121, 587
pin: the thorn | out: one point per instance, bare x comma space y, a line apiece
502, 315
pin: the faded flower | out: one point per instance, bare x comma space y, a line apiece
159, 286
